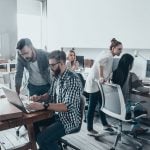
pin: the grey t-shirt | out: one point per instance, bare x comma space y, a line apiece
35, 76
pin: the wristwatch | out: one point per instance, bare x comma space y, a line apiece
45, 105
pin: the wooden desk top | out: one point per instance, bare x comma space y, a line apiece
8, 111
28, 120
25, 119
141, 94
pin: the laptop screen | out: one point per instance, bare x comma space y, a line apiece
13, 98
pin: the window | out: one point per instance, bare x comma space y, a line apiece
30, 21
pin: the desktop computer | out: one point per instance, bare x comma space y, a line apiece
80, 59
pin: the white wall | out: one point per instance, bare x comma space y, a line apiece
89, 25
8, 27
92, 23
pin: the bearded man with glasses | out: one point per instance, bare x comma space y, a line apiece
63, 98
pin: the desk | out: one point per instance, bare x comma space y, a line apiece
9, 66
137, 96
25, 119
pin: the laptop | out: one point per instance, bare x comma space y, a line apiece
16, 100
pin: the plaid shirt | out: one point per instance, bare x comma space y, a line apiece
67, 90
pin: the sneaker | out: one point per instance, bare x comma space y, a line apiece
92, 132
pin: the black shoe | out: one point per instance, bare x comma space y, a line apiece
139, 131
108, 128
92, 132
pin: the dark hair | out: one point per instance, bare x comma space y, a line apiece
23, 42
114, 43
58, 55
121, 73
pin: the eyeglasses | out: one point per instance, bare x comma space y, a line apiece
22, 54
52, 65
71, 55
120, 49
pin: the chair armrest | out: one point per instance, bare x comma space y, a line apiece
136, 104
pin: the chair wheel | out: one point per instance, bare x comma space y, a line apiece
64, 146
17, 132
139, 148
112, 148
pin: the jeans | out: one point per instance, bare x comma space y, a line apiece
95, 98
48, 138
38, 90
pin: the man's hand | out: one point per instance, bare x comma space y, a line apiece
35, 106
35, 98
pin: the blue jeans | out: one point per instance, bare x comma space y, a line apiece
48, 138
95, 98
38, 90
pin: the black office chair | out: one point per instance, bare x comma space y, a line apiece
64, 143
113, 104
84, 94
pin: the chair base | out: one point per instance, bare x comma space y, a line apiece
64, 144
126, 134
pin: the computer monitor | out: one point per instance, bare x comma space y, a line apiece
148, 69
80, 59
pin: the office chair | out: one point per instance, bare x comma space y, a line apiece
113, 104
64, 143
7, 81
86, 95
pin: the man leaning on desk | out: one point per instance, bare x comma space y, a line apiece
36, 62
64, 96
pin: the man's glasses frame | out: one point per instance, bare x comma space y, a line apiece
52, 65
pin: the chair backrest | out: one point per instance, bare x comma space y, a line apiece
6, 79
113, 103
82, 80
82, 106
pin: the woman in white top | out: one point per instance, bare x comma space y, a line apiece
72, 64
101, 70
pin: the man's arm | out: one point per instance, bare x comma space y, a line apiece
102, 63
19, 75
59, 107
101, 74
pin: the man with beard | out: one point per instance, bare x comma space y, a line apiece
64, 98
36, 62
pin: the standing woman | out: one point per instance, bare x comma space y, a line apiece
101, 70
72, 64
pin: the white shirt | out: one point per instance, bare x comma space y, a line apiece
105, 59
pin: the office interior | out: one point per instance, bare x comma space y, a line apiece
87, 27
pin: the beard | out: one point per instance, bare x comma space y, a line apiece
56, 72
29, 59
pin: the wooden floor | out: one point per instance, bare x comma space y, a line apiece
9, 140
